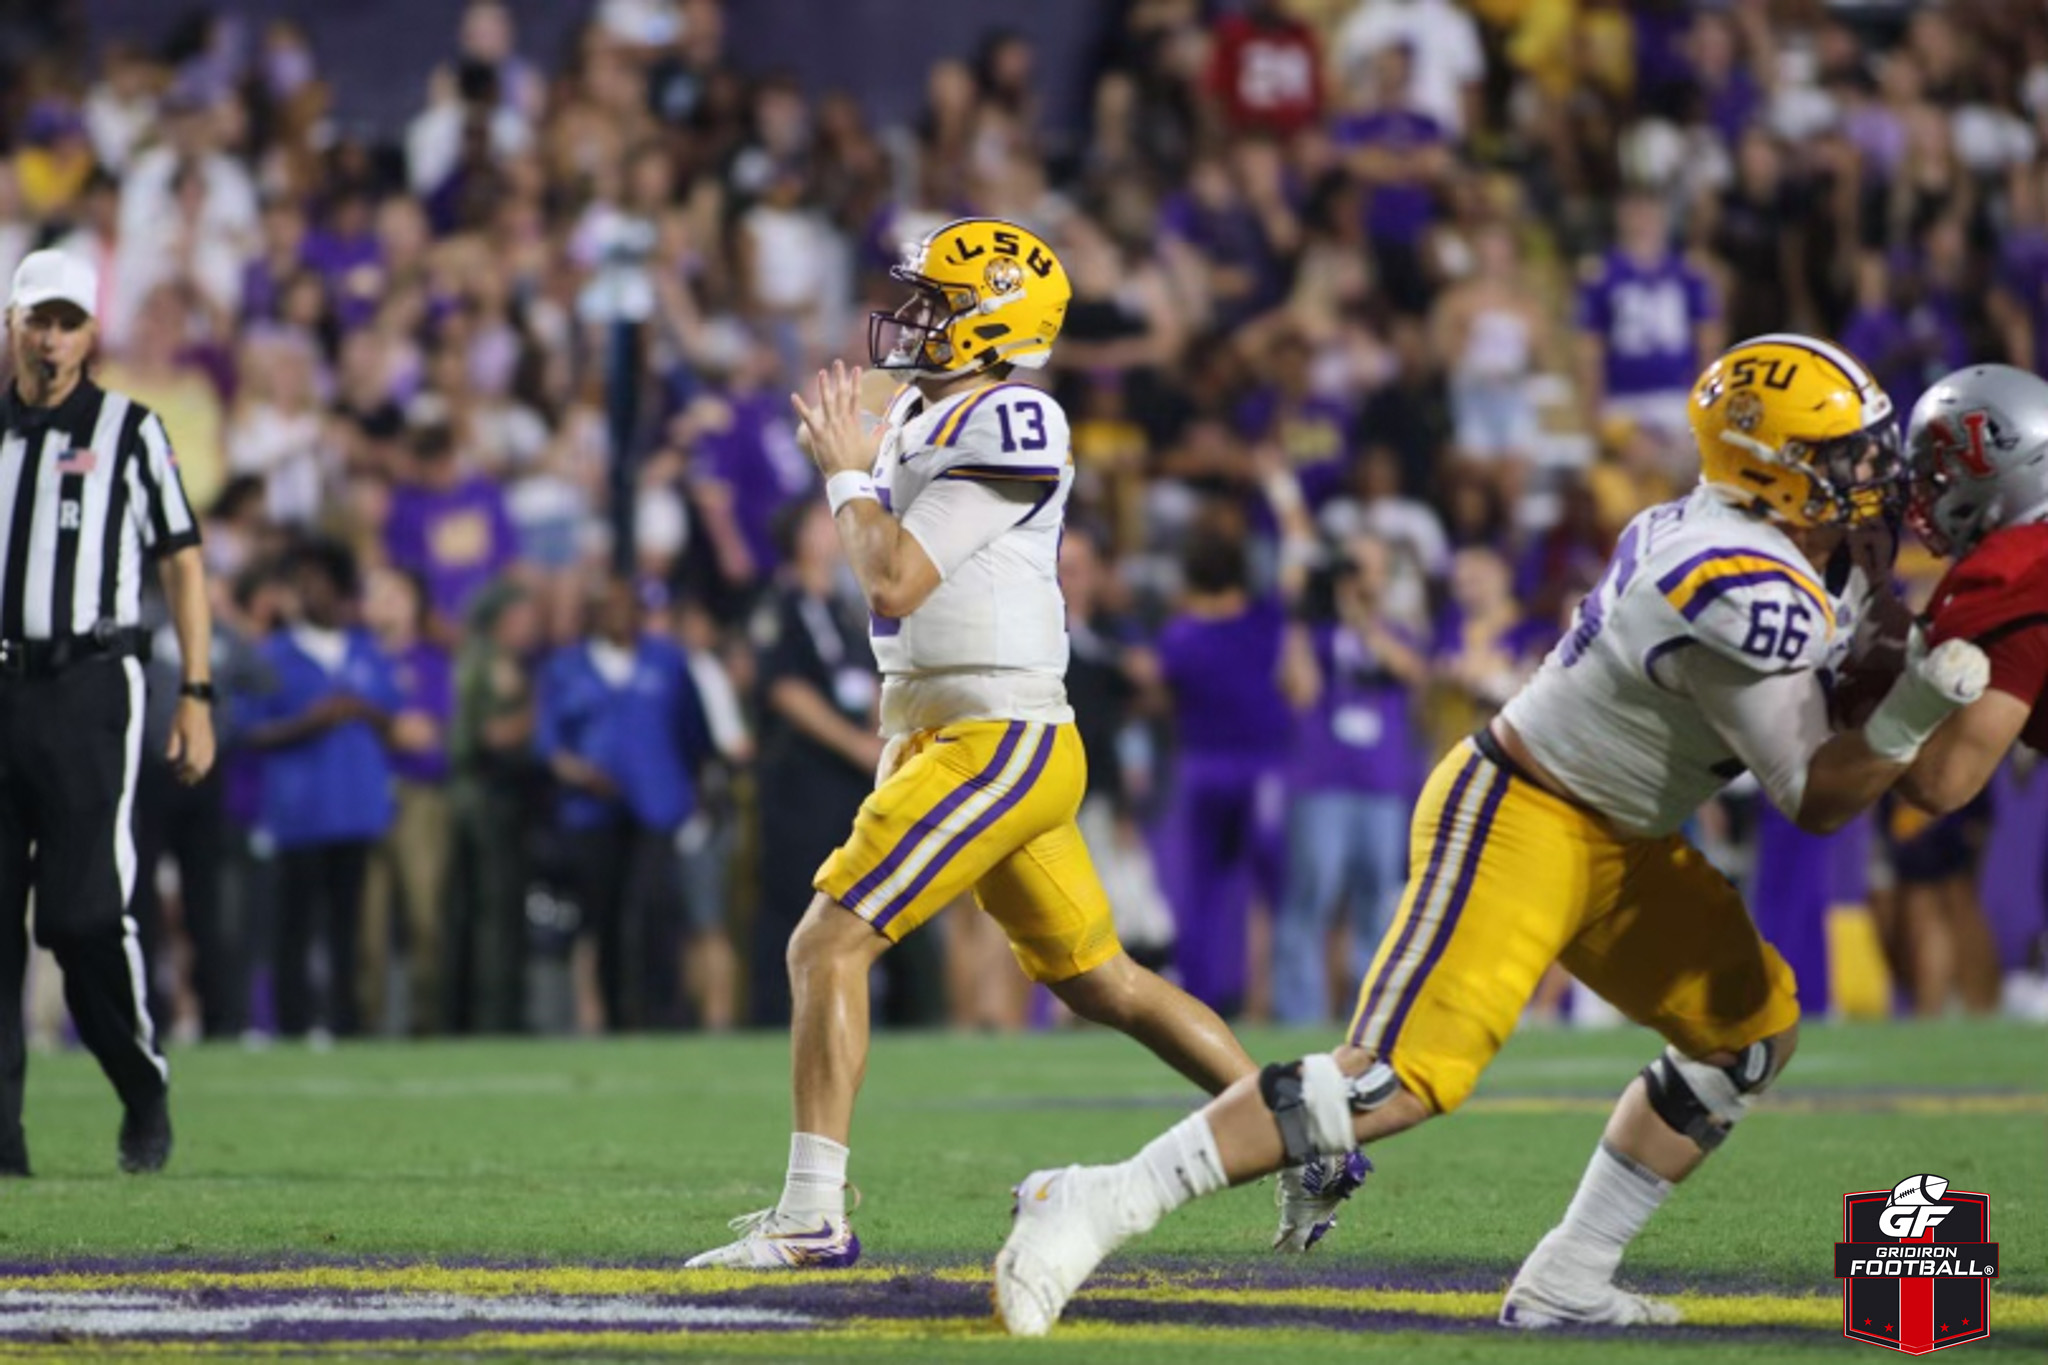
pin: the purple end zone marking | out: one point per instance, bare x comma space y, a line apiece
1123, 1296
1331, 1271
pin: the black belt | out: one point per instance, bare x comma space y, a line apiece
42, 658
1493, 751
1483, 740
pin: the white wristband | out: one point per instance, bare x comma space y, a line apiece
1934, 686
847, 486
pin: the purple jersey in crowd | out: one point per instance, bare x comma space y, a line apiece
354, 270
426, 683
1360, 735
757, 457
1394, 211
1313, 432
457, 539
1225, 676
1644, 317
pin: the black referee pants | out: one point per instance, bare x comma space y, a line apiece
70, 747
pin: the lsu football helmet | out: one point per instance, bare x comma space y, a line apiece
1797, 428
985, 292
1977, 446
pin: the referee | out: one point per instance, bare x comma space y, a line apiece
88, 489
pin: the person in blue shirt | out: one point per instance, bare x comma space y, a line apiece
620, 727
326, 781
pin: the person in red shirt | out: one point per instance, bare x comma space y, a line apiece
1267, 70
1978, 446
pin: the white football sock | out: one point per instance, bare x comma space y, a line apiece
816, 1182
1615, 1199
1179, 1165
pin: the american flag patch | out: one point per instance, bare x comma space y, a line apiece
77, 461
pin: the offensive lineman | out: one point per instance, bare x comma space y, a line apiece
952, 525
1551, 837
1978, 448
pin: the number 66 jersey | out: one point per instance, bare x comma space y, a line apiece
1697, 590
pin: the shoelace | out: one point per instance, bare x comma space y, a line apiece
748, 1222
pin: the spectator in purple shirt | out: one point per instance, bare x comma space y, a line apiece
1725, 94
1311, 429
409, 869
282, 258
1486, 646
451, 529
1356, 762
344, 251
1399, 157
747, 467
1220, 658
1647, 321
1212, 231
1876, 333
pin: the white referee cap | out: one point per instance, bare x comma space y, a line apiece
55, 277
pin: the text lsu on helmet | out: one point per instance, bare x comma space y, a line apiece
986, 292
1797, 429
1977, 446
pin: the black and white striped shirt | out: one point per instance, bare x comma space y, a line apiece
88, 490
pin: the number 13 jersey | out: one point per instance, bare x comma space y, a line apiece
990, 643
1608, 714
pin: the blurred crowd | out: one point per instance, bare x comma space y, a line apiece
547, 688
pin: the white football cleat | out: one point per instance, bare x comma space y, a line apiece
773, 1240
1063, 1223
1309, 1196
1552, 1289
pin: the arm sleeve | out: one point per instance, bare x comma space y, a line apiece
1774, 722
954, 518
164, 517
2019, 663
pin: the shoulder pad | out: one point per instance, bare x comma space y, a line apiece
2002, 581
1006, 431
901, 406
1768, 613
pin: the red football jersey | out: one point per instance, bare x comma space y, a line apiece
1997, 595
1268, 75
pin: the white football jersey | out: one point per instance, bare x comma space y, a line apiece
1603, 714
990, 643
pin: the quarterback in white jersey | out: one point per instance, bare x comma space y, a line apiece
1552, 836
950, 516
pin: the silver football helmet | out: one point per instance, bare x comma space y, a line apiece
1977, 447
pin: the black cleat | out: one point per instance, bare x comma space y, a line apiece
14, 1158
146, 1136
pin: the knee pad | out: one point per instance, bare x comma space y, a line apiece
1703, 1101
1313, 1100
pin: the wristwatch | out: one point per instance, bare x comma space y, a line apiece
198, 691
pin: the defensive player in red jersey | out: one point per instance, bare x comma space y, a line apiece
1978, 447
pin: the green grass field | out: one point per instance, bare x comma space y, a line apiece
465, 1185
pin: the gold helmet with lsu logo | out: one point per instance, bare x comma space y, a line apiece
1796, 428
986, 292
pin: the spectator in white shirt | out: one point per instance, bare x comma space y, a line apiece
1448, 62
